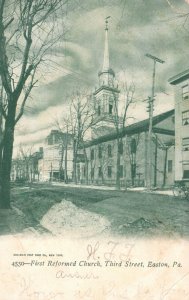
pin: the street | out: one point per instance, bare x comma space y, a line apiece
84, 212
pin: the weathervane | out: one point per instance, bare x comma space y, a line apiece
106, 21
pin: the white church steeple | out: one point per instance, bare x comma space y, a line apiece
106, 62
106, 76
105, 97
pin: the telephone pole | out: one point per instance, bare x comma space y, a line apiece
151, 108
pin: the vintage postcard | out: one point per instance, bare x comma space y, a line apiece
94, 149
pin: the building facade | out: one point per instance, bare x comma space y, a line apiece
57, 161
181, 91
26, 168
133, 150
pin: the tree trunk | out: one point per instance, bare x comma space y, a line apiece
1, 140
66, 158
75, 148
86, 164
155, 163
61, 170
133, 168
165, 167
27, 171
1, 172
7, 156
125, 163
118, 166
66, 164
1, 153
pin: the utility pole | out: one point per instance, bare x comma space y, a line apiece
155, 161
51, 173
151, 108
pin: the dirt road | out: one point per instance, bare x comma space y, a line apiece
55, 210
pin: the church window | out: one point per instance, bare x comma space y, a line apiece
120, 148
99, 110
109, 150
100, 152
170, 166
121, 171
84, 171
109, 171
110, 109
92, 173
92, 154
133, 145
185, 118
100, 171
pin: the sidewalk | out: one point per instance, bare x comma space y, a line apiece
79, 185
155, 191
109, 188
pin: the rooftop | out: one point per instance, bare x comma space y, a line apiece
179, 77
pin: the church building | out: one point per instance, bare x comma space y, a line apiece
116, 150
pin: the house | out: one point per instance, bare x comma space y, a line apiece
57, 161
26, 167
181, 91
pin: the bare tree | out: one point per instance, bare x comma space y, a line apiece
180, 14
127, 91
81, 117
131, 149
22, 166
25, 155
1, 129
64, 127
28, 31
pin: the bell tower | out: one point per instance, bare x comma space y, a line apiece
105, 97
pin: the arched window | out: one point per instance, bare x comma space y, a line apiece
121, 148
110, 109
109, 150
99, 110
133, 145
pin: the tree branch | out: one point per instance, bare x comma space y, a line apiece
32, 84
11, 20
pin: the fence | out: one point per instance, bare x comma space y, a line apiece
108, 182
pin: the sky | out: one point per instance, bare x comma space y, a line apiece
136, 27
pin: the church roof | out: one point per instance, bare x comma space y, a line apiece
138, 127
108, 88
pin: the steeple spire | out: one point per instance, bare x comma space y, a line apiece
106, 75
106, 62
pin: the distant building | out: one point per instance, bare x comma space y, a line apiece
181, 90
27, 168
57, 161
